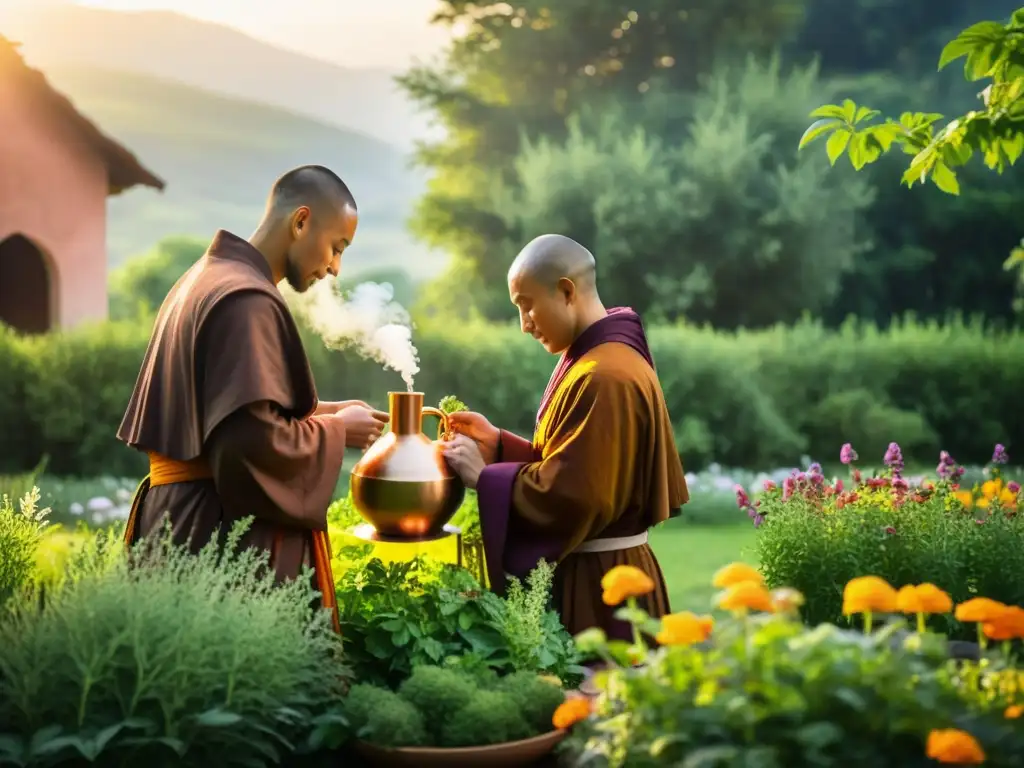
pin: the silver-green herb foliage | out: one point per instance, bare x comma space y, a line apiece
164, 654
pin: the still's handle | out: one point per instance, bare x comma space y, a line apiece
442, 426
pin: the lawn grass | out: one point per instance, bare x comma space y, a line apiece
690, 554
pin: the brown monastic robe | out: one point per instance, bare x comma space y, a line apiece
226, 397
603, 464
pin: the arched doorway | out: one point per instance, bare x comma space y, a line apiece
26, 300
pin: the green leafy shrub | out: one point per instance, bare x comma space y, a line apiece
817, 534
744, 399
21, 532
166, 658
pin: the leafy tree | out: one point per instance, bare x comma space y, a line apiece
521, 69
139, 286
722, 225
992, 51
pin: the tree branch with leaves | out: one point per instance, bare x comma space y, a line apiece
991, 50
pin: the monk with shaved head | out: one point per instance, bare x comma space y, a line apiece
225, 407
602, 467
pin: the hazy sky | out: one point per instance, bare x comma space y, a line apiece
367, 33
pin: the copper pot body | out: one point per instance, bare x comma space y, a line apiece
402, 485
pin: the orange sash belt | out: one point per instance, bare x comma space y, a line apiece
165, 471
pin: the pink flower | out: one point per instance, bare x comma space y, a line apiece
742, 500
847, 455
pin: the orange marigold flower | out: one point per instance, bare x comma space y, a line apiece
1007, 498
979, 609
746, 596
1013, 712
1008, 625
734, 573
570, 712
624, 581
868, 593
684, 628
952, 746
923, 598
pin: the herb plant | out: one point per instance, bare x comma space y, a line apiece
399, 616
164, 658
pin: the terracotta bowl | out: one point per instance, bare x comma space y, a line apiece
512, 754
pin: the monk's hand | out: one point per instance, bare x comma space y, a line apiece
363, 425
463, 454
477, 428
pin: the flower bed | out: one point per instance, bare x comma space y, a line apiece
818, 533
761, 688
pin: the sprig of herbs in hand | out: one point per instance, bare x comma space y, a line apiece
451, 404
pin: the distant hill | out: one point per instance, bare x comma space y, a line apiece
217, 58
219, 156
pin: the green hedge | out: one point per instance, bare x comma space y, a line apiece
757, 399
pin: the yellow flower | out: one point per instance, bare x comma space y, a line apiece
868, 594
1013, 712
734, 573
923, 598
1007, 497
990, 488
684, 629
624, 581
979, 609
983, 503
570, 712
964, 497
746, 596
953, 746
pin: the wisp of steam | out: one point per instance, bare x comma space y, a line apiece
367, 320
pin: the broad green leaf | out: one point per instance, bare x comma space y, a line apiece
817, 129
980, 61
829, 110
865, 113
886, 133
945, 178
954, 50
855, 150
849, 110
218, 718
1013, 147
837, 144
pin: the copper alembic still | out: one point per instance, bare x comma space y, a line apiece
402, 486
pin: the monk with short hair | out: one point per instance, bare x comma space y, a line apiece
602, 468
225, 405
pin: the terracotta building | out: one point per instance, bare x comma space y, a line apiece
56, 171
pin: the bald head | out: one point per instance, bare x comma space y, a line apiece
550, 258
313, 186
552, 283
